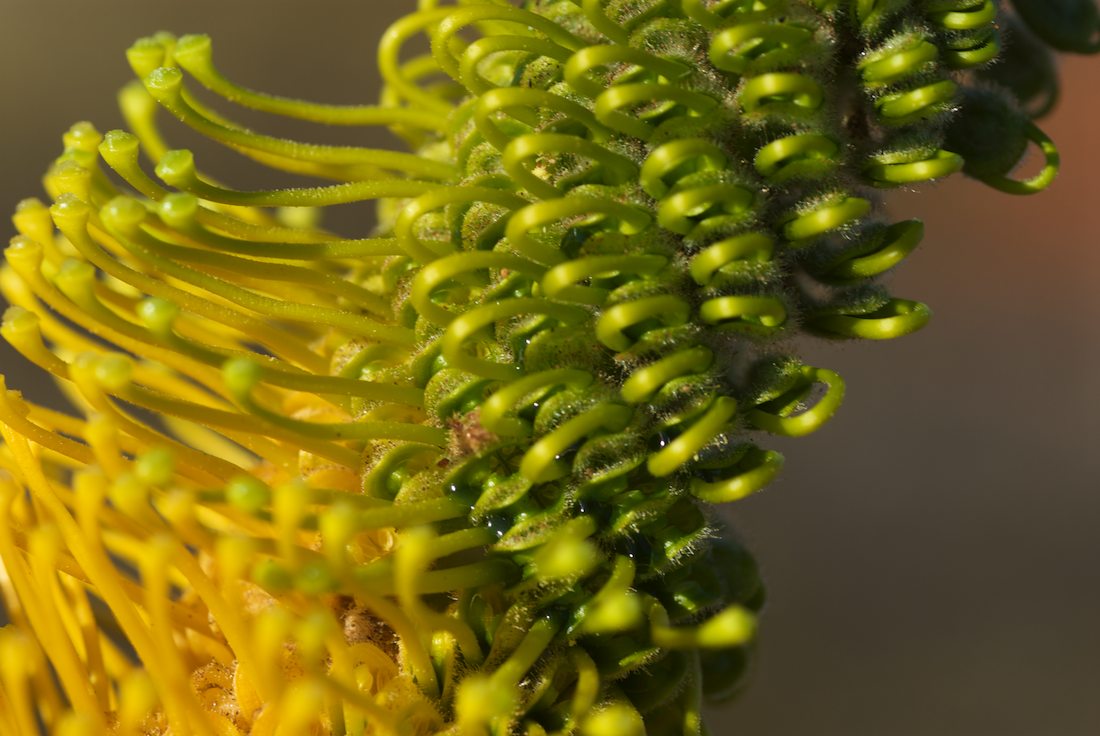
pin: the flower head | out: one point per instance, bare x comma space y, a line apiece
455, 475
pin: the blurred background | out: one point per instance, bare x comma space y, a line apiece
933, 554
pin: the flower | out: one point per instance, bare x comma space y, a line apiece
455, 476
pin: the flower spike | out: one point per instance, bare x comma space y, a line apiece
454, 474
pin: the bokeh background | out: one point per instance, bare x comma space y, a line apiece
932, 555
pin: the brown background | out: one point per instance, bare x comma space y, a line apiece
932, 554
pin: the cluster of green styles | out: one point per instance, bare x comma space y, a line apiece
459, 476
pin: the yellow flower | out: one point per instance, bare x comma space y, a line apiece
454, 477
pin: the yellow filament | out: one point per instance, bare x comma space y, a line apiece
91, 557
104, 326
300, 708
15, 660
139, 111
7, 717
342, 680
20, 293
194, 54
416, 550
44, 545
419, 660
165, 85
102, 436
263, 305
382, 722
170, 384
232, 625
212, 468
71, 217
12, 415
41, 613
226, 447
86, 626
137, 698
278, 278
176, 692
65, 563
233, 421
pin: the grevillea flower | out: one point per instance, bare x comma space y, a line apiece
456, 476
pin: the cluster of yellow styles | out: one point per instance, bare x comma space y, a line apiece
455, 477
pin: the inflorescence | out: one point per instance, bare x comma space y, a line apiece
457, 476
